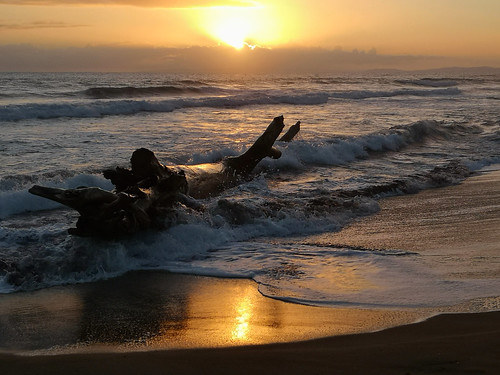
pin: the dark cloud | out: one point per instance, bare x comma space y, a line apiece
208, 60
138, 3
37, 25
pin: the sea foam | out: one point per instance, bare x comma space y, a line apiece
18, 200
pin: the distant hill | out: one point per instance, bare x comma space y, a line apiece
449, 70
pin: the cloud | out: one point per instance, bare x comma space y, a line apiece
137, 3
38, 25
211, 60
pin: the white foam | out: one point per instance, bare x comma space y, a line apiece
61, 259
344, 150
429, 82
20, 200
98, 108
367, 94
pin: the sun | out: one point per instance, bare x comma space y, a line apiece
238, 26
232, 31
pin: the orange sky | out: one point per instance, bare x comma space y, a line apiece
463, 29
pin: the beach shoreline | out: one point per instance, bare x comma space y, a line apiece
157, 310
445, 344
453, 343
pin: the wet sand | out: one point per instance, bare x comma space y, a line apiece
444, 221
153, 310
446, 344
464, 216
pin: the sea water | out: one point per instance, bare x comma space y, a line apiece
363, 137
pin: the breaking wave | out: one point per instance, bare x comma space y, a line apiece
133, 92
130, 107
59, 258
429, 82
366, 94
341, 151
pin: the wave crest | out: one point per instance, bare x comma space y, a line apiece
129, 107
132, 92
367, 94
345, 150
429, 82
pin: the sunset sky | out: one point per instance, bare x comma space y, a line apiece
247, 36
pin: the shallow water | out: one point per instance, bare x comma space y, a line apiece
157, 310
363, 137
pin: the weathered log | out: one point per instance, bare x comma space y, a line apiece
236, 169
145, 173
101, 212
149, 189
263, 147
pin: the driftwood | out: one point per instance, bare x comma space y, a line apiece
291, 133
236, 169
150, 190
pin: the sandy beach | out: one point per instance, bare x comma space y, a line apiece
448, 343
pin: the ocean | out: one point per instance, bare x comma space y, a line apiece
363, 137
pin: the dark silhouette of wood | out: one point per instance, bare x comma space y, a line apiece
291, 133
150, 189
263, 147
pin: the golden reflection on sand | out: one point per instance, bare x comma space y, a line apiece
226, 312
244, 312
226, 317
157, 310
